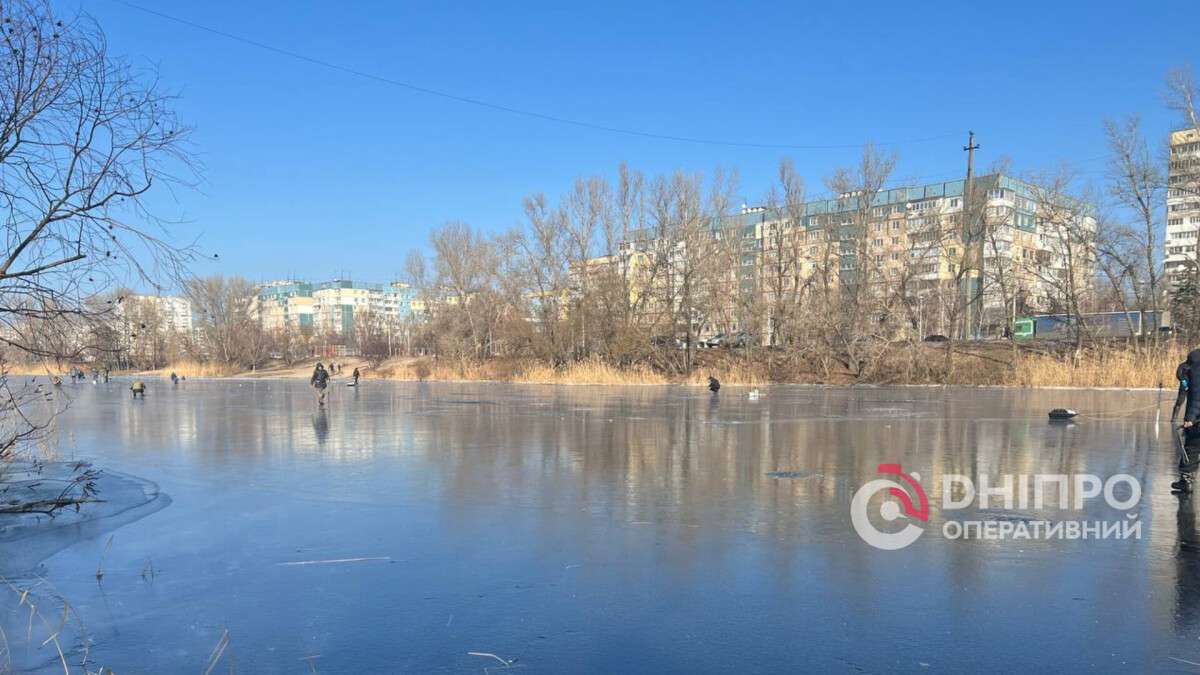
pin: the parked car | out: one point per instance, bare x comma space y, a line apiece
667, 341
729, 340
739, 340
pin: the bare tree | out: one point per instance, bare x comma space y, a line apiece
291, 342
689, 288
1068, 228
543, 256
83, 140
1183, 96
226, 321
1120, 251
782, 257
858, 324
465, 262
1137, 184
372, 337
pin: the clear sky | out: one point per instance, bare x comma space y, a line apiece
311, 172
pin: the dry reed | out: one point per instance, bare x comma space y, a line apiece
197, 369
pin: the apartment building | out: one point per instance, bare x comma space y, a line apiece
1183, 205
285, 304
152, 329
173, 312
336, 304
909, 238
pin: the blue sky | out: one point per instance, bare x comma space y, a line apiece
311, 172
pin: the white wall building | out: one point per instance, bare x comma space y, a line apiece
1183, 204
336, 303
174, 311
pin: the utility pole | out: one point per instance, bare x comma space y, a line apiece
969, 231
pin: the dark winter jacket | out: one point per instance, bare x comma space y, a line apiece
1193, 398
320, 378
1183, 373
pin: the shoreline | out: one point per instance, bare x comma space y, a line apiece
256, 377
1118, 370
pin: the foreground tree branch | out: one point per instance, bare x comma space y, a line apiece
84, 139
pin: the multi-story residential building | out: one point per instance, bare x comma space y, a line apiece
336, 304
172, 314
404, 300
1183, 205
329, 308
285, 304
151, 329
910, 239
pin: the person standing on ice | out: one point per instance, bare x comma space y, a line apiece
1189, 459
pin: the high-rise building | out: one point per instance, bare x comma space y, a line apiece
1183, 205
153, 329
173, 313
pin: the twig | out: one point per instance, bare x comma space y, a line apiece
215, 657
331, 562
485, 654
100, 564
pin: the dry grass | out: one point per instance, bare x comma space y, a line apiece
737, 372
990, 364
974, 364
197, 369
37, 369
590, 371
1099, 368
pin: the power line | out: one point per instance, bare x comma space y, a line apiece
501, 107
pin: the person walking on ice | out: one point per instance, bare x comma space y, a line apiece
319, 380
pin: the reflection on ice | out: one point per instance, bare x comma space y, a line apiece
611, 529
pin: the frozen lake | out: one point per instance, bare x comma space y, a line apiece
607, 529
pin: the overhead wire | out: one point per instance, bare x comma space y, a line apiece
534, 114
